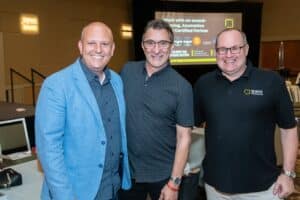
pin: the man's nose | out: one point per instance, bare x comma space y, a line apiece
228, 53
156, 48
98, 48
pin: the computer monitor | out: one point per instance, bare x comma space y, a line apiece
14, 138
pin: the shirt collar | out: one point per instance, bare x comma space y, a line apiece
144, 71
246, 74
91, 76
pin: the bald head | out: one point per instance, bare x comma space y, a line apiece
242, 34
96, 25
96, 46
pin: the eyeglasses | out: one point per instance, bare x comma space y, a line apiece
233, 50
162, 44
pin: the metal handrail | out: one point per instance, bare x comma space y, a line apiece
33, 71
12, 71
36, 72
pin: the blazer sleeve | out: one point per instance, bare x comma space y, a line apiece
49, 129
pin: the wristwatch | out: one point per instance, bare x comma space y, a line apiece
175, 180
290, 174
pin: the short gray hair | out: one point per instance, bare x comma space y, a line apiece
159, 24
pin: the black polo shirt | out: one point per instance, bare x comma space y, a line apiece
154, 106
240, 121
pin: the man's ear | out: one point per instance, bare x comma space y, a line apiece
142, 45
80, 46
246, 49
113, 49
172, 46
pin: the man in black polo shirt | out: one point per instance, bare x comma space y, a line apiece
159, 105
241, 106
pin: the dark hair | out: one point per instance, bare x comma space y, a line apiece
160, 24
231, 29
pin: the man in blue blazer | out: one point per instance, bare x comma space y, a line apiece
80, 125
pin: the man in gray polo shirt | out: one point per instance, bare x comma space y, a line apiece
159, 118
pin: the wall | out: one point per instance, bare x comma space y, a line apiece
280, 23
2, 71
280, 20
269, 55
61, 22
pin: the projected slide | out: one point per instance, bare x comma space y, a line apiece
195, 34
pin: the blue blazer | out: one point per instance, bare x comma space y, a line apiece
70, 136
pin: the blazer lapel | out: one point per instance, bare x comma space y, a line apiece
85, 89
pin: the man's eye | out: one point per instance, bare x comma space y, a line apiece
234, 48
163, 42
222, 49
150, 42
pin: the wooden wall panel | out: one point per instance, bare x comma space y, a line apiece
269, 55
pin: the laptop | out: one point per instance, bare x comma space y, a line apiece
14, 139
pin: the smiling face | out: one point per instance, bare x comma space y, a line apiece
157, 54
232, 65
96, 46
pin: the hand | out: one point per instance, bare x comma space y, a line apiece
284, 186
168, 194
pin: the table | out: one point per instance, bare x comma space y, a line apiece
32, 182
33, 178
15, 110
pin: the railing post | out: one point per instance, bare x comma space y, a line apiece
6, 96
32, 82
12, 86
33, 87
33, 71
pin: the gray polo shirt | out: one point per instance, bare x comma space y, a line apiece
109, 110
154, 106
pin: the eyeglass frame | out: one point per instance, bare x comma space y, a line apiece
238, 49
158, 43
